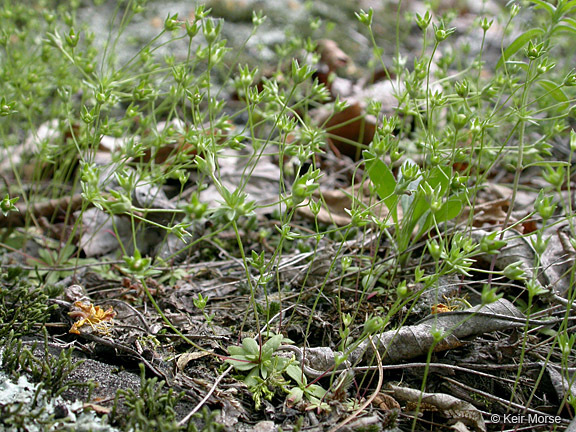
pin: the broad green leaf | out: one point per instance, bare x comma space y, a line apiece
240, 363
296, 374
556, 92
419, 207
565, 28
567, 8
252, 378
271, 345
411, 218
419, 214
236, 350
518, 43
250, 346
440, 175
316, 390
280, 363
406, 200
383, 181
295, 396
449, 210
46, 255
540, 4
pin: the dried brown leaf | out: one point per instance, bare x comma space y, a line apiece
448, 406
332, 55
416, 340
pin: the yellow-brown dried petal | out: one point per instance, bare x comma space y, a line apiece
99, 319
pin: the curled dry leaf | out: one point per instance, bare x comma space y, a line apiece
563, 381
101, 232
185, 358
385, 402
98, 409
100, 320
556, 261
491, 213
74, 293
412, 341
448, 406
332, 55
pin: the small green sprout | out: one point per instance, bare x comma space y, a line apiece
6, 108
423, 21
364, 17
7, 205
138, 266
515, 271
490, 295
490, 245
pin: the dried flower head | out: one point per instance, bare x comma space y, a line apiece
98, 319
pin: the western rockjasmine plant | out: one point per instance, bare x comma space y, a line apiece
168, 117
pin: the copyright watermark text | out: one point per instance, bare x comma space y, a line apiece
525, 419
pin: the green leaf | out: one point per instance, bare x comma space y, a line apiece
565, 28
316, 391
518, 43
540, 4
449, 210
384, 182
271, 346
296, 374
556, 92
67, 252
252, 378
250, 346
440, 175
281, 363
570, 21
417, 209
407, 200
240, 363
236, 350
419, 212
568, 7
46, 256
295, 396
